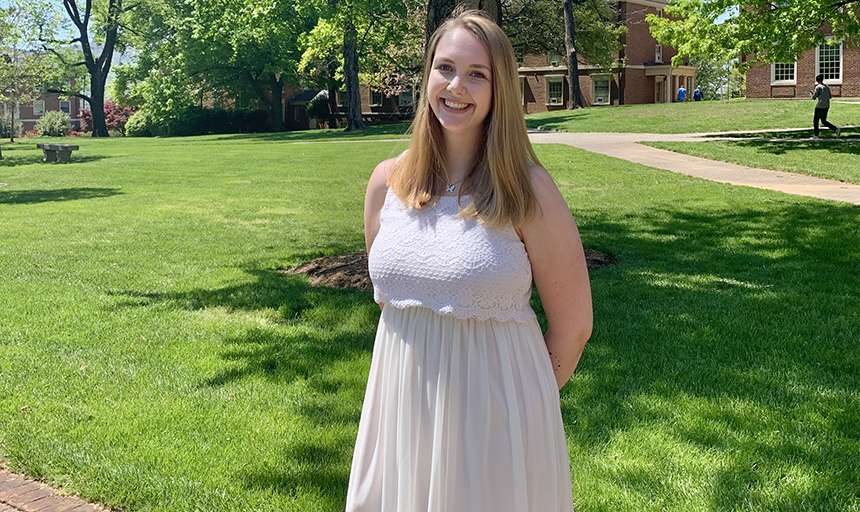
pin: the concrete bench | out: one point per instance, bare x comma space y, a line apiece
57, 152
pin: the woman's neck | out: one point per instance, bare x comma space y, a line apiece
460, 150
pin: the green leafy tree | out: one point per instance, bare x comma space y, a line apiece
584, 30
759, 30
95, 24
25, 67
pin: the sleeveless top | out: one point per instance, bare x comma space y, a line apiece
432, 258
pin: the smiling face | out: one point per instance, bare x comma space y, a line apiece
460, 85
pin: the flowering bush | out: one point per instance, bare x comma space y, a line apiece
115, 117
73, 133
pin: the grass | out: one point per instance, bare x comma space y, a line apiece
825, 158
152, 357
691, 117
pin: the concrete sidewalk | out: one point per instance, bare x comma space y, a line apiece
627, 146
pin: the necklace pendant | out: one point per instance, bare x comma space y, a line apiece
450, 188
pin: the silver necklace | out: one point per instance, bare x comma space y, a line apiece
452, 186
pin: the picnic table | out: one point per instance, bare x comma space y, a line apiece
57, 152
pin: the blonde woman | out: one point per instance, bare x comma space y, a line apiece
461, 412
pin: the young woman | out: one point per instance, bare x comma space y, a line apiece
462, 410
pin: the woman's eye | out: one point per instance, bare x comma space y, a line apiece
443, 67
478, 74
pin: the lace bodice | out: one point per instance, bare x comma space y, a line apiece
454, 265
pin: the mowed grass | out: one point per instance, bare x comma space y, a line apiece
153, 358
692, 117
825, 158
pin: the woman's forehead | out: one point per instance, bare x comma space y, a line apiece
461, 46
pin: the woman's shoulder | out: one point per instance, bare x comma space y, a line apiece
542, 183
379, 179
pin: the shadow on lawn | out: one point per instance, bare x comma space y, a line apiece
62, 194
396, 131
735, 341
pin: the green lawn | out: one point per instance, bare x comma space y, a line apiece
692, 117
153, 358
824, 158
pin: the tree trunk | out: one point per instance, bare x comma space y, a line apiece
97, 103
439, 10
350, 71
575, 98
332, 107
277, 108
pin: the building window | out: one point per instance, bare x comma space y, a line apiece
658, 53
554, 59
39, 108
782, 73
66, 107
406, 98
341, 98
555, 90
375, 98
601, 91
829, 62
83, 104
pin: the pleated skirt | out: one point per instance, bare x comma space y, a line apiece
459, 415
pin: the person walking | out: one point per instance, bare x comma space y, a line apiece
682, 93
697, 94
822, 94
462, 408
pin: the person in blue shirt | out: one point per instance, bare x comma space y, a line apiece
697, 94
682, 93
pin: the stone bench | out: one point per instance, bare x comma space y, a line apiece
57, 152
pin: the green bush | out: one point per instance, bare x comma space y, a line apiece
196, 120
6, 127
54, 124
139, 124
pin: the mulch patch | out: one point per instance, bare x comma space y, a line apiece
350, 270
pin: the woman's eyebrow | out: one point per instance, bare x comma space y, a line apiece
477, 65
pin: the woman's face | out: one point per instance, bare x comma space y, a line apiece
460, 85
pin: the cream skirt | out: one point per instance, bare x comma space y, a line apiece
459, 416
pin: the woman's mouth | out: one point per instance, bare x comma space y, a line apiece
455, 105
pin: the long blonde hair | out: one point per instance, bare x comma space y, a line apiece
500, 184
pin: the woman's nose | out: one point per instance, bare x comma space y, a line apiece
456, 85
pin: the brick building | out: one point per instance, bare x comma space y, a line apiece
645, 75
839, 65
28, 114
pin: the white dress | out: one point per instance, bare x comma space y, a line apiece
461, 411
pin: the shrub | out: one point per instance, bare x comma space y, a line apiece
116, 118
139, 125
6, 127
318, 107
54, 124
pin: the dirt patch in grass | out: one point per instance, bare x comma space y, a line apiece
350, 270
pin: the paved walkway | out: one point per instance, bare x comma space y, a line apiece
627, 147
18, 494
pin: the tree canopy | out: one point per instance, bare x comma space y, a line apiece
760, 30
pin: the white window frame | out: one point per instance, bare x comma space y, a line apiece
39, 108
555, 60
829, 81
554, 80
658, 53
774, 81
68, 105
601, 78
373, 96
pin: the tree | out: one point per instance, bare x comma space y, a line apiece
25, 68
242, 51
105, 21
759, 31
538, 26
439, 10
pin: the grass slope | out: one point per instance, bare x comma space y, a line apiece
152, 358
691, 117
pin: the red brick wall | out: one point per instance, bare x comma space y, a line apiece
758, 78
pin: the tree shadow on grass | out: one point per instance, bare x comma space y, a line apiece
47, 196
395, 131
848, 147
561, 122
716, 329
